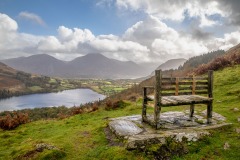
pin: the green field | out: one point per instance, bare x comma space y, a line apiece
82, 136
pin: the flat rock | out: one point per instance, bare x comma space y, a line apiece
124, 128
215, 116
174, 125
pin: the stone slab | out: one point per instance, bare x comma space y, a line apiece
123, 128
174, 125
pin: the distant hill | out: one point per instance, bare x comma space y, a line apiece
42, 64
88, 66
170, 64
8, 78
195, 61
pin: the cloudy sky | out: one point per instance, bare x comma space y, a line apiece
142, 31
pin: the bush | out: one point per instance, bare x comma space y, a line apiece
219, 63
76, 110
11, 121
115, 104
94, 107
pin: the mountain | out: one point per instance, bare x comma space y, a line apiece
88, 66
42, 64
170, 64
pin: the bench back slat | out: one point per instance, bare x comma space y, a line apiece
184, 93
184, 85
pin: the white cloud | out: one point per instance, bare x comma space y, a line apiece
229, 40
176, 10
146, 31
164, 42
149, 40
7, 24
50, 43
32, 17
11, 40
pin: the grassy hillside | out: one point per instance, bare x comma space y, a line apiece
14, 83
82, 136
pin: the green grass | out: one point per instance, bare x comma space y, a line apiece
52, 81
82, 136
77, 136
226, 98
35, 88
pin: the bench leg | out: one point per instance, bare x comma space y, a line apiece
157, 115
144, 105
191, 112
209, 112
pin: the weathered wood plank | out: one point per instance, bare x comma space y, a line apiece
144, 105
210, 95
190, 83
184, 78
158, 96
201, 88
191, 111
168, 88
193, 85
151, 87
177, 87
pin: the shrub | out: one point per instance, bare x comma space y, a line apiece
219, 63
11, 121
94, 107
115, 104
76, 110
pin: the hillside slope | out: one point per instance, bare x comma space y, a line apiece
8, 78
15, 83
230, 58
83, 137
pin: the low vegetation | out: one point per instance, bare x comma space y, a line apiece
108, 87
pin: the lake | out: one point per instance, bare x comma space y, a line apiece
68, 98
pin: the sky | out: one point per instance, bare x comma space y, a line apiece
142, 31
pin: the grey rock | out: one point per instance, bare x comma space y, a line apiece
124, 128
41, 146
184, 123
215, 116
226, 146
238, 130
235, 109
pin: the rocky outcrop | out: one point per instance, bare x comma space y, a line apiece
175, 126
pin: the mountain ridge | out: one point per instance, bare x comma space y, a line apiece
89, 66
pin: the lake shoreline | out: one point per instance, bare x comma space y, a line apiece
68, 98
18, 93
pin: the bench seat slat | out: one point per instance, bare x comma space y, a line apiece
182, 100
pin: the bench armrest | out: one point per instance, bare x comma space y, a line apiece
151, 87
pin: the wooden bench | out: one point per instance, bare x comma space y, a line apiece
170, 91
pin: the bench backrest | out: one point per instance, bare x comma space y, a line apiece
167, 86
